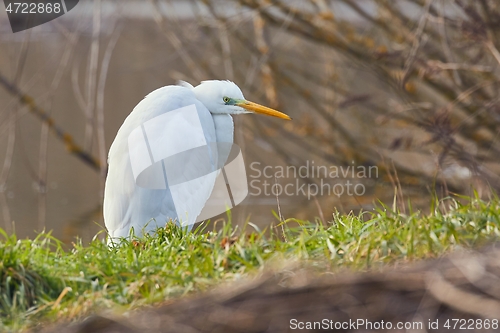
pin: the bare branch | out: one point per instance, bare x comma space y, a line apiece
57, 130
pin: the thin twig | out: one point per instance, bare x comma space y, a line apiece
282, 220
197, 72
100, 102
4, 175
445, 44
494, 51
416, 44
92, 76
11, 138
454, 66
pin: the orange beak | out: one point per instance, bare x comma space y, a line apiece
257, 108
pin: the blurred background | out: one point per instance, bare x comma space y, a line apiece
408, 88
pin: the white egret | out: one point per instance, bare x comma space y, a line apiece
128, 205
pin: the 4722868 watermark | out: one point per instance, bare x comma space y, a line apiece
26, 14
366, 325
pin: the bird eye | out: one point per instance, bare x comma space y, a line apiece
225, 99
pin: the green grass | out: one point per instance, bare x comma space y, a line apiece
41, 281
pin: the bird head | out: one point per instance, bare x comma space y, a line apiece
225, 97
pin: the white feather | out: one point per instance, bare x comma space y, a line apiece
127, 205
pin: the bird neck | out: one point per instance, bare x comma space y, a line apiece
224, 127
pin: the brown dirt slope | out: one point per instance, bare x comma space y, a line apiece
464, 286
